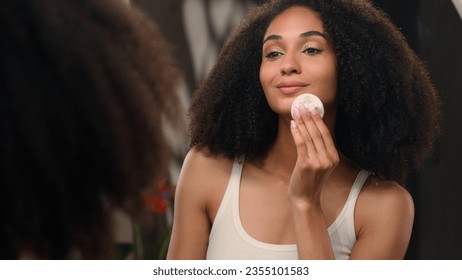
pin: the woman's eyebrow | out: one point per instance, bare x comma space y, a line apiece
303, 35
313, 33
272, 37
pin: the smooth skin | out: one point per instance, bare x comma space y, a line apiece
299, 189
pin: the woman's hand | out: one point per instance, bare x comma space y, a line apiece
316, 156
316, 159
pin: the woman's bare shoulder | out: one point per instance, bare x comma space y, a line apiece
384, 217
382, 193
204, 165
204, 173
382, 199
203, 180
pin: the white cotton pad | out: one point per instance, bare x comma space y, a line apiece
310, 101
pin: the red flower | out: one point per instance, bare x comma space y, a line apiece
158, 202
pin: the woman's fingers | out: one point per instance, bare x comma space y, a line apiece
316, 137
313, 132
298, 139
301, 121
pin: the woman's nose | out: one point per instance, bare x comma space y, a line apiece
290, 65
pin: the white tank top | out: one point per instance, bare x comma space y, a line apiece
229, 240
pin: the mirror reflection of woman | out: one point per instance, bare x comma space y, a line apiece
259, 184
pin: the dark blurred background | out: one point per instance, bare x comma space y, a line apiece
197, 29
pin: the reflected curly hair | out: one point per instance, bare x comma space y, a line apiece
83, 88
388, 111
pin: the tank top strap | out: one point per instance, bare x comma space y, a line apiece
236, 173
231, 189
347, 213
357, 186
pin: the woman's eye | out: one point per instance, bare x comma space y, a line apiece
312, 51
273, 54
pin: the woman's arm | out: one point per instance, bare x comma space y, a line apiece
191, 225
384, 216
200, 189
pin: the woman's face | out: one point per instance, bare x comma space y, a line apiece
297, 58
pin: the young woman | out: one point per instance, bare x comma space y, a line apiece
258, 184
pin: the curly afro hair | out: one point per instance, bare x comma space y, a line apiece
388, 111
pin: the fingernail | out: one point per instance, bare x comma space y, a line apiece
293, 124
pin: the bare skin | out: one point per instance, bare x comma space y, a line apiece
299, 189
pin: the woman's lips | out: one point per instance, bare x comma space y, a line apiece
290, 88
